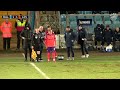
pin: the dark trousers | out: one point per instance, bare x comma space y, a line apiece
27, 46
18, 40
108, 41
114, 44
6, 43
99, 40
41, 49
70, 49
83, 47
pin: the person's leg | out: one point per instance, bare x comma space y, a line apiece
41, 49
95, 43
82, 48
30, 51
114, 44
4, 43
8, 43
53, 53
25, 53
72, 51
18, 39
48, 53
68, 53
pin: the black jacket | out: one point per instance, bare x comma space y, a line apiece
69, 38
116, 35
37, 39
98, 32
81, 34
108, 34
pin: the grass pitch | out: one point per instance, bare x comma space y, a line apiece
106, 66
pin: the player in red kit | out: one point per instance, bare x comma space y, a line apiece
50, 42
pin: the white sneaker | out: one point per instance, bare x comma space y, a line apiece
72, 58
68, 58
87, 55
83, 56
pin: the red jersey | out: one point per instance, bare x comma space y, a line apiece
50, 40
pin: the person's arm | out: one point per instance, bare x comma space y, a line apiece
32, 40
22, 35
55, 39
15, 24
74, 36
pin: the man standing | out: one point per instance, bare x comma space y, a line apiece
26, 35
69, 39
6, 29
50, 42
42, 35
19, 25
82, 41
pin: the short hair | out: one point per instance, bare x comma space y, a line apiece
68, 27
49, 27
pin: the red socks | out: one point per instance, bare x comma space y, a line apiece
53, 56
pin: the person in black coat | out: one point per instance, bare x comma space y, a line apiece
69, 39
99, 35
37, 40
26, 35
108, 35
81, 39
42, 35
116, 37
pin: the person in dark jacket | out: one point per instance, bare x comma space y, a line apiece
108, 35
116, 37
37, 40
42, 35
81, 37
26, 35
69, 39
99, 35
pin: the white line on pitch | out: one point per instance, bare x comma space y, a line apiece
40, 71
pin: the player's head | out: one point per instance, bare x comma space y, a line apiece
49, 28
20, 16
117, 29
36, 30
68, 28
107, 27
41, 28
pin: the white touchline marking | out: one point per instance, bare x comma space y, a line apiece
39, 70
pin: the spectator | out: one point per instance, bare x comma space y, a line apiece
108, 35
6, 29
82, 41
19, 25
69, 39
26, 35
98, 35
116, 37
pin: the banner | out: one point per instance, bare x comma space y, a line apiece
84, 22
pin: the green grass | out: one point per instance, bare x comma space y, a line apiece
95, 67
